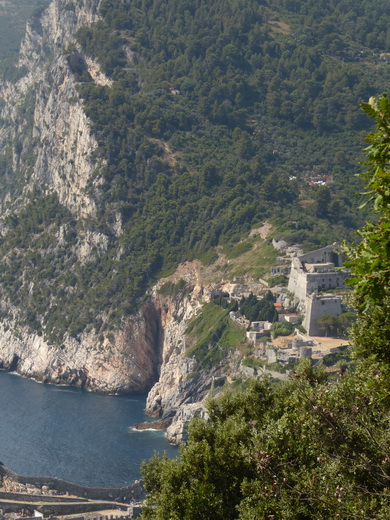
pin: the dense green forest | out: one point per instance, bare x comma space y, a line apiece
306, 449
221, 114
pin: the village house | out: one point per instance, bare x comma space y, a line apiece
259, 329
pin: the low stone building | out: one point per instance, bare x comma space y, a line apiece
280, 270
296, 350
259, 329
258, 326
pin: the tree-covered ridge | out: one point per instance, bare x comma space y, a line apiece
218, 116
226, 56
201, 91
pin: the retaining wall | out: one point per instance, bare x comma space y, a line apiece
126, 494
59, 508
26, 497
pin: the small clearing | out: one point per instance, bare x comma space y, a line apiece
169, 155
262, 231
279, 27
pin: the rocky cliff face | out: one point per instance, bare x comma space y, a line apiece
179, 394
150, 351
124, 362
46, 136
43, 117
48, 143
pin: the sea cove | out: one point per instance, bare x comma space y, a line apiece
72, 434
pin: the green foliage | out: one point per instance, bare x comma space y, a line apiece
282, 328
236, 250
328, 323
280, 279
206, 482
37, 268
209, 257
369, 262
341, 357
212, 334
258, 310
307, 449
172, 289
251, 362
193, 130
337, 325
210, 115
322, 201
303, 449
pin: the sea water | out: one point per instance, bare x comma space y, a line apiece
72, 434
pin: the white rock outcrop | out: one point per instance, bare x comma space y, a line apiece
43, 112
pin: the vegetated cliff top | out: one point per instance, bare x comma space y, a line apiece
216, 116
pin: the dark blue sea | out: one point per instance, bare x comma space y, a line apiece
73, 434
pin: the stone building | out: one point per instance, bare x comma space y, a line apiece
259, 329
315, 272
319, 306
280, 270
311, 276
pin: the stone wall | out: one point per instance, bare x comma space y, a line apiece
316, 282
322, 256
297, 279
59, 508
305, 278
37, 498
125, 495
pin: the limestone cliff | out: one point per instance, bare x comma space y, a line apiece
150, 351
118, 363
44, 126
46, 137
183, 384
48, 147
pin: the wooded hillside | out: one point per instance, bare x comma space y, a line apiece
220, 115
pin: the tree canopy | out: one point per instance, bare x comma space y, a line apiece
369, 262
306, 450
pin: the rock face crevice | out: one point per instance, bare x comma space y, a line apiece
124, 362
182, 387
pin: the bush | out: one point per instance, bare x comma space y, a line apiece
282, 328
